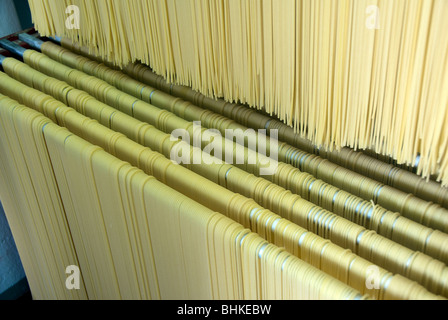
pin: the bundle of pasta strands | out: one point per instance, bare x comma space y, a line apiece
434, 245
16, 88
416, 209
34, 210
356, 161
173, 231
408, 205
138, 155
340, 76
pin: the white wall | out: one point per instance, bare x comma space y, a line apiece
9, 21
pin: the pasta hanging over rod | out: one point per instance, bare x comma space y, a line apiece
355, 73
343, 231
176, 255
357, 266
227, 149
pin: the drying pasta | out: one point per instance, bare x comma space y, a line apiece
410, 206
96, 119
201, 193
328, 201
355, 73
174, 237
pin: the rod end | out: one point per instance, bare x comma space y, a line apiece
12, 47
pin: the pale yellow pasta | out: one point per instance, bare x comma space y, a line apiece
136, 238
357, 73
85, 161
